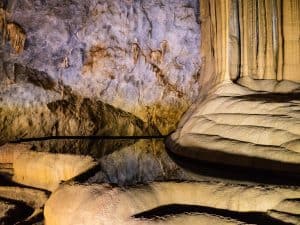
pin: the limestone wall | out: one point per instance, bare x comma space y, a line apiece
139, 56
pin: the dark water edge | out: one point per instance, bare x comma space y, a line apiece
19, 213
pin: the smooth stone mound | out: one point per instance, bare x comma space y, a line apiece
237, 126
105, 204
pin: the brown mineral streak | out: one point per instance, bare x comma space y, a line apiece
12, 32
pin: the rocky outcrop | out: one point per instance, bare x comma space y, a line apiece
103, 204
237, 126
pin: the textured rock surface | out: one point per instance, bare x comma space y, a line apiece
104, 204
237, 126
130, 68
287, 210
140, 56
36, 106
5, 207
43, 170
258, 39
142, 162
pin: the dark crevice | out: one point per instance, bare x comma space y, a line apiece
271, 97
19, 213
236, 173
258, 218
83, 177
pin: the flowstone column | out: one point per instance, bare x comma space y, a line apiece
291, 35
254, 39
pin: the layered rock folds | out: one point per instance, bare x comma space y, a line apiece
237, 126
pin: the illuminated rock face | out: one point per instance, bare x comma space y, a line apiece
237, 126
103, 204
132, 68
37, 106
140, 56
43, 170
257, 125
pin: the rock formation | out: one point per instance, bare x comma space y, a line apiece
237, 126
83, 81
103, 204
42, 170
256, 39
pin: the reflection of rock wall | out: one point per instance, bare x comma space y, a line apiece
140, 56
251, 38
36, 106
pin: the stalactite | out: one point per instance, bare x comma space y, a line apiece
259, 39
291, 36
280, 40
269, 67
234, 40
245, 71
252, 36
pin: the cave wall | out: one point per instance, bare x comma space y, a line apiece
140, 56
259, 39
147, 57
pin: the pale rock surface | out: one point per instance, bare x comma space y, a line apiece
103, 204
285, 217
237, 126
287, 210
43, 170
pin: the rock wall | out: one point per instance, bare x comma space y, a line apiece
140, 56
250, 38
